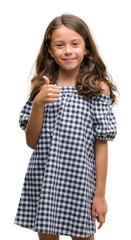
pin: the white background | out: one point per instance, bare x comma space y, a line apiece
22, 26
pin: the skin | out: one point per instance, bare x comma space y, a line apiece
68, 50
45, 236
48, 94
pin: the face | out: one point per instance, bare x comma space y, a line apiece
67, 48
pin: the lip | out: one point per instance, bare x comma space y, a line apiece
68, 59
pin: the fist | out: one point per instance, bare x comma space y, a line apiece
49, 93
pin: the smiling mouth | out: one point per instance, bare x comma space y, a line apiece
68, 59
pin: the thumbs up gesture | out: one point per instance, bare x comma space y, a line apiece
49, 93
47, 81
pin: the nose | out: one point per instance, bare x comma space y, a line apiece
68, 50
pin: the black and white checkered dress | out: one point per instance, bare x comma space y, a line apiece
60, 180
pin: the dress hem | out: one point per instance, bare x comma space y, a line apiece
55, 233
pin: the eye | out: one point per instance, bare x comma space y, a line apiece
75, 44
59, 45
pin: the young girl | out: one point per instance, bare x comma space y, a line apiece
68, 120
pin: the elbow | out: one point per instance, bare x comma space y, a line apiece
30, 143
32, 146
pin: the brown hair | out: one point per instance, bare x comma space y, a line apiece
92, 69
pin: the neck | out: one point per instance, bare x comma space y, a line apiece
67, 78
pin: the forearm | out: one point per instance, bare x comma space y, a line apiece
34, 125
48, 94
101, 158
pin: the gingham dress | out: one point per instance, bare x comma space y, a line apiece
60, 181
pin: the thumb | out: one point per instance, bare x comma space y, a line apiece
47, 81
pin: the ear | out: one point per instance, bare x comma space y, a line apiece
50, 51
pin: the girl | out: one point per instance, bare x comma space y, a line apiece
67, 120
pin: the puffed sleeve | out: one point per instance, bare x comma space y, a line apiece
104, 121
25, 114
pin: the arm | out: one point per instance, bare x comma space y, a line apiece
99, 205
34, 125
48, 94
101, 157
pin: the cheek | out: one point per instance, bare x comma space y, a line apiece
80, 53
57, 53
57, 56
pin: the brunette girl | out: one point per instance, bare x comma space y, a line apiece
68, 120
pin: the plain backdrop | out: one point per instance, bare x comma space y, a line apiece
22, 26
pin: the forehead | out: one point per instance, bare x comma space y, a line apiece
64, 33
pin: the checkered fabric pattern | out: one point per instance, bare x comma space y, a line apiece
60, 181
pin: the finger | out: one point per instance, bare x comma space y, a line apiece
93, 214
53, 99
50, 95
100, 225
100, 219
53, 89
47, 81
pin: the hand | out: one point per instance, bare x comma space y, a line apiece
99, 209
48, 93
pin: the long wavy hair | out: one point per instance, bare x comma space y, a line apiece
92, 70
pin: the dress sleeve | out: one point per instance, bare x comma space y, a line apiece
25, 114
104, 122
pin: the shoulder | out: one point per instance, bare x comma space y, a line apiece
105, 88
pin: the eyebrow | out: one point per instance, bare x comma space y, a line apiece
71, 40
